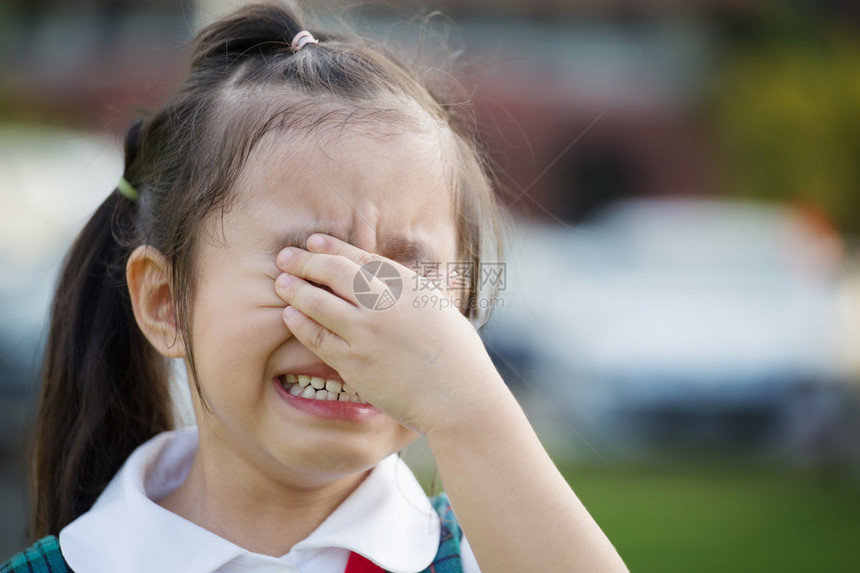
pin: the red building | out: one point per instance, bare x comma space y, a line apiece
579, 103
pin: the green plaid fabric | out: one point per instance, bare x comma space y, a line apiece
447, 558
43, 557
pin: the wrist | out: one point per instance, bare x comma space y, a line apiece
481, 404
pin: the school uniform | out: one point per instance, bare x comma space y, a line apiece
387, 520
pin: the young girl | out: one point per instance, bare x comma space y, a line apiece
290, 176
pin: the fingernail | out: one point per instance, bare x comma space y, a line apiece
289, 311
284, 280
285, 256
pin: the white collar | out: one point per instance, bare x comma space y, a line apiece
387, 519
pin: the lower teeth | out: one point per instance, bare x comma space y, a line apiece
311, 393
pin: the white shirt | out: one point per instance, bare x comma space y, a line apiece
387, 519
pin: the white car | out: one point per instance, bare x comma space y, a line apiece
667, 321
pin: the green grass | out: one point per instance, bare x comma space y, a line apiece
719, 520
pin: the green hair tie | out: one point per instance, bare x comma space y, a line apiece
126, 189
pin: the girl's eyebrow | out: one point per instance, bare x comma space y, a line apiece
407, 251
395, 247
299, 238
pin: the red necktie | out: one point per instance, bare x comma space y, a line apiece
360, 564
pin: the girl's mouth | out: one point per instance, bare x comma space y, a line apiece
324, 398
315, 388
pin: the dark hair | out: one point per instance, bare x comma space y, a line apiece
105, 388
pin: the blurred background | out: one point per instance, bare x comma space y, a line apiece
680, 315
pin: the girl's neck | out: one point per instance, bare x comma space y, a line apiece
252, 510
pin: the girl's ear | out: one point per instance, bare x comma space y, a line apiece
148, 276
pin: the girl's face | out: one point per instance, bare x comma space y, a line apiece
384, 194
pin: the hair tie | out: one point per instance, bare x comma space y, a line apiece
126, 189
302, 39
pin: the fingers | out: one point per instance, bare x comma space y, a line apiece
328, 261
319, 243
313, 336
332, 271
325, 309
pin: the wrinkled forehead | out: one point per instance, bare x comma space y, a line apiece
394, 172
390, 153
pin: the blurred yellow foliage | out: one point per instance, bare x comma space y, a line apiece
787, 121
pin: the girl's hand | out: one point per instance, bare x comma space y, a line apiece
425, 366
419, 361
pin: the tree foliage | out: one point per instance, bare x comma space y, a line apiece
787, 115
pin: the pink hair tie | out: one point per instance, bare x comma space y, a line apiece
302, 39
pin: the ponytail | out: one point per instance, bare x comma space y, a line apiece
104, 387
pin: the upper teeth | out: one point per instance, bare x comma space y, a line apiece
317, 388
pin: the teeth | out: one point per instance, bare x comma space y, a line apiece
317, 388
